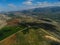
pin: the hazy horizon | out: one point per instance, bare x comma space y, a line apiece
14, 5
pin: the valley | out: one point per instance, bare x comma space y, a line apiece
30, 27
30, 31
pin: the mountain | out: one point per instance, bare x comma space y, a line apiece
52, 12
45, 12
43, 9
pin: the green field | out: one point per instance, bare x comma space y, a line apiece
9, 30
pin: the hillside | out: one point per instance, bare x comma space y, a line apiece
39, 26
45, 12
37, 32
3, 20
52, 12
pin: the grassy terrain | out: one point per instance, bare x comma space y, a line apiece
34, 34
9, 30
34, 37
31, 36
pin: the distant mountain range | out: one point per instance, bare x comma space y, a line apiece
44, 12
43, 9
47, 12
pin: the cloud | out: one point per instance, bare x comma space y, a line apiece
12, 6
40, 4
29, 0
27, 3
57, 4
45, 4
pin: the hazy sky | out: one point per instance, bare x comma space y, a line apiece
12, 5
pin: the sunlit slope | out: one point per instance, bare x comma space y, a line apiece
33, 37
40, 33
